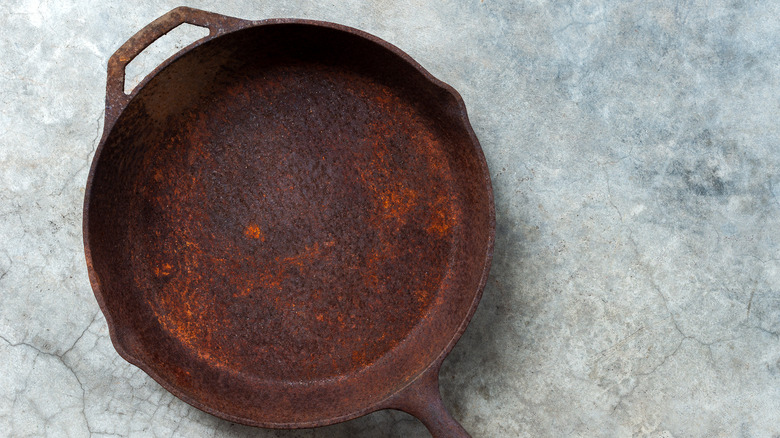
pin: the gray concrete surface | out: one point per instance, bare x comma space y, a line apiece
634, 149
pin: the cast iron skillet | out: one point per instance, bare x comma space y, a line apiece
289, 223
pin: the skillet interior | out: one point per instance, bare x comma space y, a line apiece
287, 224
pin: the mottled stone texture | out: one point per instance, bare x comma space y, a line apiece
634, 148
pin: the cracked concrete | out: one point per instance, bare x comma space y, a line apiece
633, 147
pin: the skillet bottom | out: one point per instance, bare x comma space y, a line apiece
296, 225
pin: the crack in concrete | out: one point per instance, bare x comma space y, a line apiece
750, 302
87, 161
609, 192
59, 358
92, 321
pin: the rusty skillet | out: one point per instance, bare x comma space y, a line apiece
289, 223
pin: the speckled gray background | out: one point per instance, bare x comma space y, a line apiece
634, 149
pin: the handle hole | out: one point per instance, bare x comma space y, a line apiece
160, 50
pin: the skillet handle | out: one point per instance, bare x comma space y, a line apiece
217, 24
423, 400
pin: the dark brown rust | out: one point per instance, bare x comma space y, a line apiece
288, 224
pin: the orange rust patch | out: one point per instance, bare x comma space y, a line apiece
442, 217
254, 232
422, 295
440, 223
397, 202
163, 270
438, 227
360, 358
